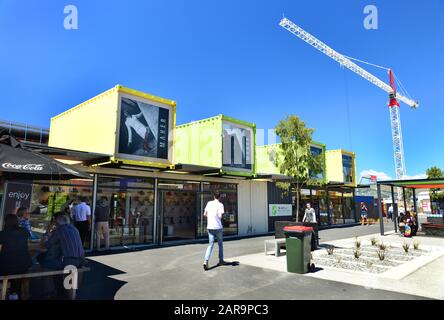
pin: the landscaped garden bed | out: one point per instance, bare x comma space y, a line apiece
371, 258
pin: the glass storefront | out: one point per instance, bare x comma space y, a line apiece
336, 208
178, 209
321, 206
228, 197
131, 207
348, 205
43, 199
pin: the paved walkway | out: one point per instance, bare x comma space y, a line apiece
176, 273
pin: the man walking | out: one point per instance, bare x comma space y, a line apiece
214, 211
82, 218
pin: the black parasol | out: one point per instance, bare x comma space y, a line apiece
18, 162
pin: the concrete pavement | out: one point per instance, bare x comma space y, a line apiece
176, 273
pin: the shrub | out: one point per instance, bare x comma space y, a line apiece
382, 246
381, 254
357, 254
374, 241
330, 250
416, 244
357, 243
406, 247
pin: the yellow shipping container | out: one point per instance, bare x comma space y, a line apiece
341, 167
130, 126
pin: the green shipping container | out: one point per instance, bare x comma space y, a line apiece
219, 142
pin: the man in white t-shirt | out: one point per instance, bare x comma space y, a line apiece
214, 211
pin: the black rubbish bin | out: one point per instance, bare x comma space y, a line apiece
298, 245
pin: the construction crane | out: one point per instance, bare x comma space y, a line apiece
390, 88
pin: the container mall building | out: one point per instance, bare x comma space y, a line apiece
157, 176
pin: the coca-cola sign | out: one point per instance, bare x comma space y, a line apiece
25, 167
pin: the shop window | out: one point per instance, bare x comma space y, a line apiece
228, 197
130, 202
317, 152
42, 200
347, 168
349, 215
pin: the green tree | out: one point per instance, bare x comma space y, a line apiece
294, 158
435, 173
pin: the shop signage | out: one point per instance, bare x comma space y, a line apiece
17, 195
237, 146
144, 129
280, 210
26, 167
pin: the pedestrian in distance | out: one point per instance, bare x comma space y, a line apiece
364, 214
213, 212
102, 222
390, 212
309, 214
82, 218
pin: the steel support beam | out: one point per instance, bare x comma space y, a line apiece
381, 221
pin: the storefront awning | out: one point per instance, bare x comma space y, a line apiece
415, 183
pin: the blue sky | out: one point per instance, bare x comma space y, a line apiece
231, 57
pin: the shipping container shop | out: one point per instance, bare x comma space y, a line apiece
332, 197
153, 177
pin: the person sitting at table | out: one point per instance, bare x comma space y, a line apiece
413, 223
14, 254
64, 246
401, 223
24, 215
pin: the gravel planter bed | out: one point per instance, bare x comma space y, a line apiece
362, 259
349, 266
388, 255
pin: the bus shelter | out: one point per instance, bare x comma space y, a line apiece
413, 184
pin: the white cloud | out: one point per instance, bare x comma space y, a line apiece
417, 176
379, 174
384, 176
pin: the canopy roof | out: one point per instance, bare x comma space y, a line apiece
415, 183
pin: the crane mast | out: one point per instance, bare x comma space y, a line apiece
395, 119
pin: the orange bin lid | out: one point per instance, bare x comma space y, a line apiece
298, 228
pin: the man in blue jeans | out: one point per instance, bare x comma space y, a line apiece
214, 211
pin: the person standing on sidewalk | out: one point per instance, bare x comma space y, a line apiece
82, 218
364, 214
309, 214
102, 222
214, 211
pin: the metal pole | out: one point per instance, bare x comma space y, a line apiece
381, 222
405, 202
414, 201
93, 210
2, 211
395, 210
155, 220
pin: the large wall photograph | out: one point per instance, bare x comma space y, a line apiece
237, 146
143, 129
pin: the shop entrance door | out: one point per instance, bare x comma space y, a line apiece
177, 210
202, 198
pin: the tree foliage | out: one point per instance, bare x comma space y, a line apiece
435, 173
294, 157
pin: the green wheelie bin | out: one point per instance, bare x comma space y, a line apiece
298, 245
